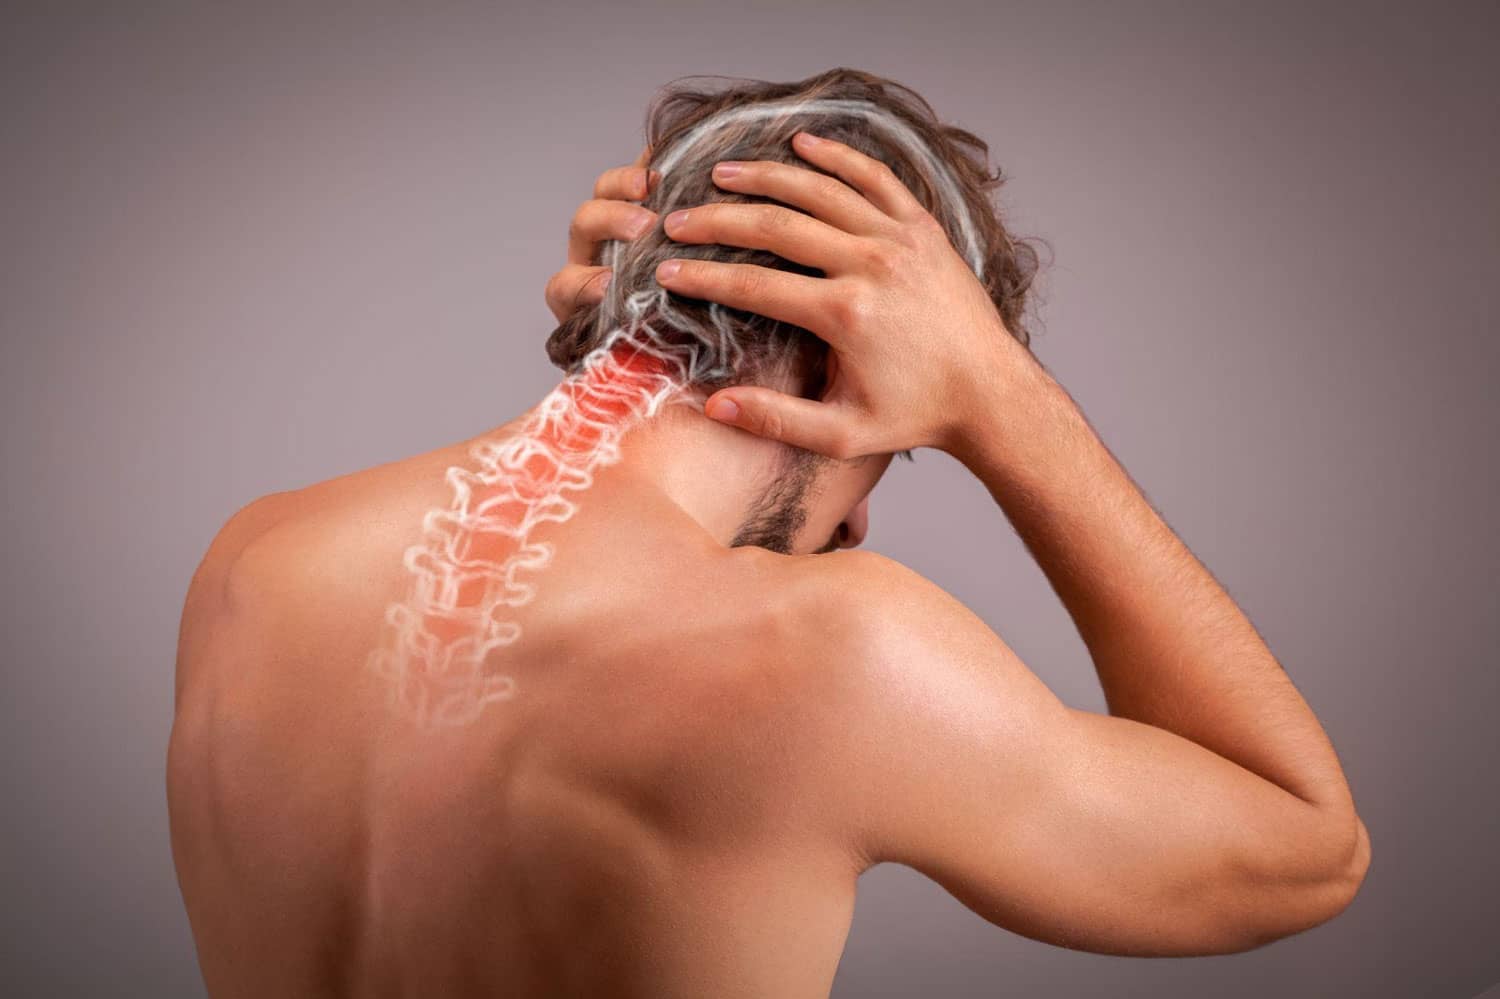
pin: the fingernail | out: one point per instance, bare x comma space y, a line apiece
668, 270
727, 169
808, 139
676, 219
641, 223
725, 410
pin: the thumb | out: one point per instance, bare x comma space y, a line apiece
817, 426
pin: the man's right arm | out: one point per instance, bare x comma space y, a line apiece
1174, 654
1171, 647
1096, 832
1207, 811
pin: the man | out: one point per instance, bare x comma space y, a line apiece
714, 715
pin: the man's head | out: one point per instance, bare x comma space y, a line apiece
812, 503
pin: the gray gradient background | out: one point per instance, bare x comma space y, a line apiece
251, 248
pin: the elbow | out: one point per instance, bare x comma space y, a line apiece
1352, 876
1338, 891
1302, 904
1347, 870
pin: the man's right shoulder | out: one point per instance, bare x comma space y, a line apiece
863, 626
893, 680
866, 599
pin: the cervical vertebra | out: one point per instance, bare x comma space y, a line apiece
471, 570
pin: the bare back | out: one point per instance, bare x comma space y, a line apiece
639, 819
704, 748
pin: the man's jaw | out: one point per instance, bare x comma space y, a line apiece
831, 546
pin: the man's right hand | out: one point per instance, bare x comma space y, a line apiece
918, 349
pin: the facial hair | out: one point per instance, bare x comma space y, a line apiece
780, 512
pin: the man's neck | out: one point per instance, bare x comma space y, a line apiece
712, 472
626, 412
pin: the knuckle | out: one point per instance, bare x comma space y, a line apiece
828, 189
930, 233
759, 176
928, 221
850, 310
594, 287
697, 278
625, 218
849, 447
578, 224
748, 283
770, 423
708, 220
881, 172
840, 445
770, 221
882, 260
927, 226
907, 243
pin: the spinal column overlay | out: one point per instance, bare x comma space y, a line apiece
443, 649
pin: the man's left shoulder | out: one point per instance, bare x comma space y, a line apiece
247, 524
271, 554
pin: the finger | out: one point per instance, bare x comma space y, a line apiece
817, 426
600, 219
626, 183
826, 198
653, 177
792, 298
865, 174
574, 287
784, 232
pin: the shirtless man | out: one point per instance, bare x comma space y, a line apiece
707, 742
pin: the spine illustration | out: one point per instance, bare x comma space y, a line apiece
473, 569
473, 566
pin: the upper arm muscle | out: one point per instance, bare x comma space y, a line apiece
1079, 829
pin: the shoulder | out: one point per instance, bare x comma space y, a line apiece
244, 527
295, 535
261, 537
880, 612
274, 544
896, 684
209, 598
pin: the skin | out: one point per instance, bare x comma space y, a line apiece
708, 749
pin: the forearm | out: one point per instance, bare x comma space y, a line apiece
1171, 647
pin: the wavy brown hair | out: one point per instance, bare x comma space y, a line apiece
769, 346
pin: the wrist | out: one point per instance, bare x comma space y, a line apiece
997, 402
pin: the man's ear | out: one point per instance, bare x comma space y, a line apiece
856, 524
817, 360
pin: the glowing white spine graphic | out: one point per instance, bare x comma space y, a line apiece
440, 656
442, 640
